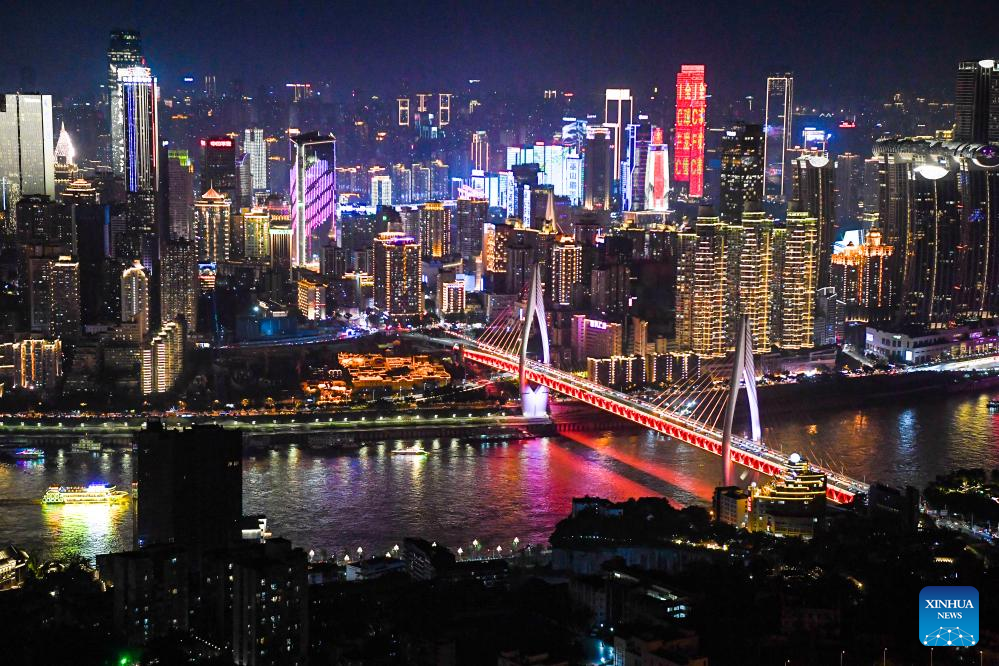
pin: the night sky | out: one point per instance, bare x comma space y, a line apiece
838, 51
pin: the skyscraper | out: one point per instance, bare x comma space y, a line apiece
688, 148
398, 289
849, 187
598, 169
255, 144
134, 104
702, 286
162, 359
212, 227
480, 151
757, 281
381, 191
313, 191
179, 282
814, 187
219, 171
64, 321
135, 299
435, 230
741, 170
618, 114
799, 278
26, 151
779, 116
124, 52
472, 215
256, 234
567, 271
977, 102
179, 194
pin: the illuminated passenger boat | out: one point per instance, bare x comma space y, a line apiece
95, 493
994, 405
29, 454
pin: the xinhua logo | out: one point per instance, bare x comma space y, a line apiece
948, 615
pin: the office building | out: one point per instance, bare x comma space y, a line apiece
402, 183
799, 278
618, 114
595, 338
256, 146
815, 187
609, 289
134, 105
479, 158
178, 192
124, 53
219, 170
849, 188
976, 102
777, 125
398, 288
598, 169
212, 221
381, 191
313, 191
179, 283
688, 142
471, 217
26, 151
191, 482
162, 359
64, 320
741, 170
311, 296
135, 299
559, 166
256, 234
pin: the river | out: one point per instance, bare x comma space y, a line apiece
493, 492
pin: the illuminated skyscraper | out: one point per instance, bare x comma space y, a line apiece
65, 161
134, 104
179, 282
741, 170
212, 227
757, 284
799, 278
64, 320
688, 148
179, 194
402, 184
162, 359
219, 170
135, 299
598, 169
702, 288
849, 187
451, 297
567, 270
313, 191
779, 116
480, 151
435, 230
398, 289
26, 152
617, 115
124, 52
472, 215
814, 185
977, 102
255, 144
860, 276
656, 185
381, 191
256, 234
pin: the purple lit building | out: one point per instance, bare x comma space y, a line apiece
313, 191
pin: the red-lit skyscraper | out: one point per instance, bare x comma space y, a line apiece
691, 93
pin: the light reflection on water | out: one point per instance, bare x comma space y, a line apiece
496, 491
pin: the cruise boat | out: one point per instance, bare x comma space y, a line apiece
95, 493
414, 450
86, 444
29, 453
994, 405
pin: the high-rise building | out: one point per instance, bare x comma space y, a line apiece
162, 359
849, 187
440, 180
618, 114
381, 191
179, 282
567, 271
37, 363
311, 296
598, 169
179, 195
26, 152
799, 278
451, 297
313, 191
64, 279
610, 288
135, 299
65, 166
688, 143
398, 289
702, 286
213, 220
191, 484
480, 151
758, 282
435, 230
219, 170
595, 338
472, 215
124, 52
655, 184
860, 276
402, 183
779, 117
256, 234
977, 102
256, 145
815, 187
741, 170
134, 104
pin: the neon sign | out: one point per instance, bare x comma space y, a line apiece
688, 161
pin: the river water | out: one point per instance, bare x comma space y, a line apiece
493, 492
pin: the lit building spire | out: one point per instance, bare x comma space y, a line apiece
65, 153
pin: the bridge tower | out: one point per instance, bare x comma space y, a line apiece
743, 372
534, 397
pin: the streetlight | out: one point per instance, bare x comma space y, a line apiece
884, 657
841, 654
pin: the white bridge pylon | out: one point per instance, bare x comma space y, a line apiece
743, 372
534, 397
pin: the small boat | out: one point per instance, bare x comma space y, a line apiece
29, 453
86, 444
994, 405
414, 450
